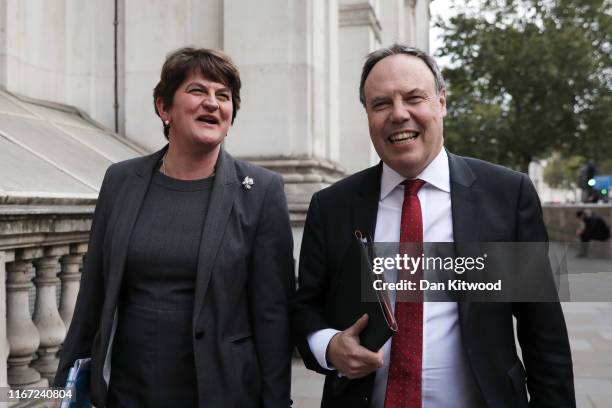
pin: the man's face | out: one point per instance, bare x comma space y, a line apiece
405, 115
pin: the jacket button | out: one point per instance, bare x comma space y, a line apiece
199, 334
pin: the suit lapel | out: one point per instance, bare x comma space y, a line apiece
132, 197
366, 206
465, 222
221, 202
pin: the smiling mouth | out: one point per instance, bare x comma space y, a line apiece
211, 120
403, 137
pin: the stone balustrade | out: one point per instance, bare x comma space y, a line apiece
42, 246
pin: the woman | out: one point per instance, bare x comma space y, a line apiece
185, 288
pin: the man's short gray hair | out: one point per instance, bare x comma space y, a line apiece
397, 49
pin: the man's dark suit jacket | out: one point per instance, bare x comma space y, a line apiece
489, 204
244, 283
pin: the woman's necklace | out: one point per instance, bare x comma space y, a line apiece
163, 166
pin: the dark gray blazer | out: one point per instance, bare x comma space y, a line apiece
244, 283
489, 203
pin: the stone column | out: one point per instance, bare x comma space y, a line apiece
392, 19
287, 53
23, 337
148, 19
411, 22
360, 33
47, 319
71, 277
5, 256
284, 68
423, 16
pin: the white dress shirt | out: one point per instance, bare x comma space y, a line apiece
447, 380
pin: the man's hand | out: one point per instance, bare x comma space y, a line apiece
348, 357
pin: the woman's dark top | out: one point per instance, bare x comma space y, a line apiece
152, 356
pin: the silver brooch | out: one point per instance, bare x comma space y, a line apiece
247, 182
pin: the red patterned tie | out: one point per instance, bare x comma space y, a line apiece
404, 378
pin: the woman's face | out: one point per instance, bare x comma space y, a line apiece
201, 112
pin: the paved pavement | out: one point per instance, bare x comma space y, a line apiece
590, 330
306, 386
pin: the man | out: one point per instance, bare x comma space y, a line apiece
445, 354
592, 227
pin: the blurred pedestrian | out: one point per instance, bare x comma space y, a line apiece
592, 227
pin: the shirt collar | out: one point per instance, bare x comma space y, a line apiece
435, 174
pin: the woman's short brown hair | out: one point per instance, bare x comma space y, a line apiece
212, 64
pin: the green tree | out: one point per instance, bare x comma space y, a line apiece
563, 172
527, 78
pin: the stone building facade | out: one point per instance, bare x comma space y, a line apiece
96, 63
